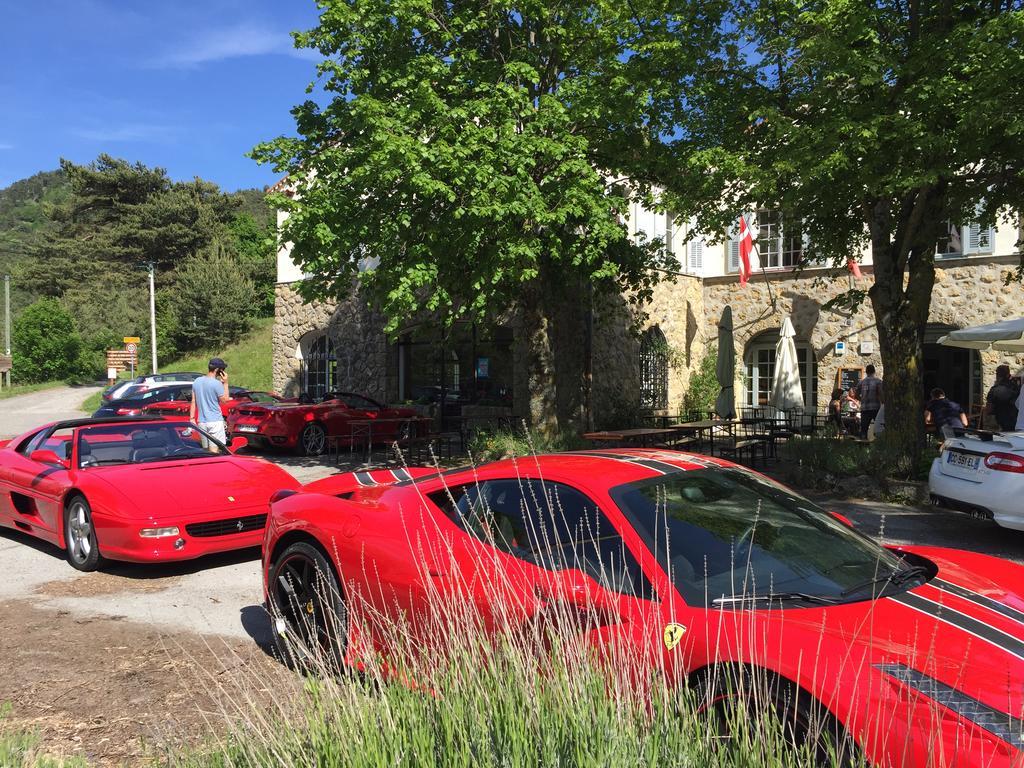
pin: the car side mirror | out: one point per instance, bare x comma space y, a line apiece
237, 444
49, 457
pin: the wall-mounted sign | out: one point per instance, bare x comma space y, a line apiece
867, 347
483, 367
840, 347
848, 378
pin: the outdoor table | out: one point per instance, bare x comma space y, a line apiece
698, 428
363, 429
638, 437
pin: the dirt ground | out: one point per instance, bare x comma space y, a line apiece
118, 693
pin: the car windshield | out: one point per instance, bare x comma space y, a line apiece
133, 443
728, 538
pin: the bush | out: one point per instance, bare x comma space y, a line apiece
703, 388
880, 460
487, 446
45, 344
214, 300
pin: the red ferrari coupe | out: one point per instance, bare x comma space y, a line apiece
915, 654
306, 426
239, 396
137, 489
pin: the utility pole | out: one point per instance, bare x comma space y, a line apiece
7, 326
152, 313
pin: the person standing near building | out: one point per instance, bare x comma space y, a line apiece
208, 392
1001, 401
871, 396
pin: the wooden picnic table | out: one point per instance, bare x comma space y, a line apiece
698, 428
640, 437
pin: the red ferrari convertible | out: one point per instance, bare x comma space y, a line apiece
137, 489
306, 426
703, 568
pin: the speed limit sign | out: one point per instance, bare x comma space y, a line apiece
132, 348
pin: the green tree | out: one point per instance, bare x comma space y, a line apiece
44, 343
214, 299
870, 123
256, 249
481, 155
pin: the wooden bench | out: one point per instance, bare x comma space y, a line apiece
744, 445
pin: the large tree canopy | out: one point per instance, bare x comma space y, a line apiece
483, 153
877, 123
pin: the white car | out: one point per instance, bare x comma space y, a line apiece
120, 389
982, 473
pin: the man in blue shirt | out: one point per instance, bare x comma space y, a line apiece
944, 413
208, 392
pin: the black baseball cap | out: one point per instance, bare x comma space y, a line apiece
216, 362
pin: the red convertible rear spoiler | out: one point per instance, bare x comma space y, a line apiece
347, 482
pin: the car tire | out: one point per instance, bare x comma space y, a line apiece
313, 440
308, 612
81, 546
808, 728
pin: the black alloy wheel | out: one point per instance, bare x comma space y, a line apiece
308, 611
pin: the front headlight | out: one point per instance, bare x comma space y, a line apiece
159, 533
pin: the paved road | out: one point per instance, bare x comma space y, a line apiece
19, 414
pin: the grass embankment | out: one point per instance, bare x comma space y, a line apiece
249, 361
24, 389
21, 749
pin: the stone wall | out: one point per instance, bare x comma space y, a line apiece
967, 292
361, 348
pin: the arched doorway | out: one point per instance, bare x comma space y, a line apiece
759, 359
653, 369
955, 371
319, 365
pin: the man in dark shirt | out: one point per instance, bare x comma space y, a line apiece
943, 412
1001, 401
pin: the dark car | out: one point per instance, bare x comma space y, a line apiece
138, 396
120, 389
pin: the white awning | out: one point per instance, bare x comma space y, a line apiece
1006, 336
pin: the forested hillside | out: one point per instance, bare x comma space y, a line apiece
77, 242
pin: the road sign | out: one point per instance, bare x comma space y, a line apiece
131, 347
132, 339
5, 363
120, 359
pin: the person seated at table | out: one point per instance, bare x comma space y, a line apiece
943, 415
835, 409
850, 409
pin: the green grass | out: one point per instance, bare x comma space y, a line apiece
249, 361
20, 749
24, 389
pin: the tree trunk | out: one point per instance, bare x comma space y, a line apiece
554, 351
904, 268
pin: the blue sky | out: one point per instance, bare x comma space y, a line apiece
189, 85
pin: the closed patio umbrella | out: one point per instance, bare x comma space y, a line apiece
725, 403
787, 393
1006, 336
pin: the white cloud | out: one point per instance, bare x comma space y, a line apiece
242, 40
125, 132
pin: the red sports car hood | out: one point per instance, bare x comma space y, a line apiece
184, 487
958, 640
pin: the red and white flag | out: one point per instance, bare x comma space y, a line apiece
854, 267
748, 253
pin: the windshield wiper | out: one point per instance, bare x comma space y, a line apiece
782, 597
896, 577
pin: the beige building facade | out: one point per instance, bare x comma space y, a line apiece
643, 361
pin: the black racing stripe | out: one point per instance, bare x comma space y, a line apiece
401, 474
365, 478
660, 467
980, 629
978, 599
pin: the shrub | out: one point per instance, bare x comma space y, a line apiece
44, 343
703, 388
487, 445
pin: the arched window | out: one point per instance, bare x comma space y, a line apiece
760, 364
653, 369
321, 367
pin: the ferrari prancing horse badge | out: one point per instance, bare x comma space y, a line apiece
673, 634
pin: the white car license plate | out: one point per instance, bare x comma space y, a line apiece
248, 428
963, 460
